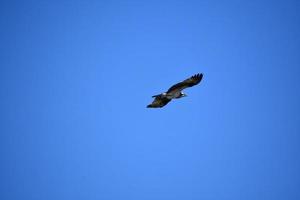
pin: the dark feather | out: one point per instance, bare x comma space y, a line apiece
194, 80
159, 102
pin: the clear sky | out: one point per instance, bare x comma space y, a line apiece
76, 76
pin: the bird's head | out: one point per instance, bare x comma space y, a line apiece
183, 94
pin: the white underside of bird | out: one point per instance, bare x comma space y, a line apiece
173, 95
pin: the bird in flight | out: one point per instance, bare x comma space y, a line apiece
174, 92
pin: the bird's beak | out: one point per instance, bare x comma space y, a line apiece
184, 95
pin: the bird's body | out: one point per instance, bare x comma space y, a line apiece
174, 92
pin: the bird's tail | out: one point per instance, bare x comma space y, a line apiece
150, 106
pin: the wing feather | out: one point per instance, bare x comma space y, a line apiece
159, 102
194, 80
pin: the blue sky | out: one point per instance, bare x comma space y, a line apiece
76, 76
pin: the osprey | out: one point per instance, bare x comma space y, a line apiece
174, 92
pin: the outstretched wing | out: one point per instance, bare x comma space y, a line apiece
159, 102
194, 80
